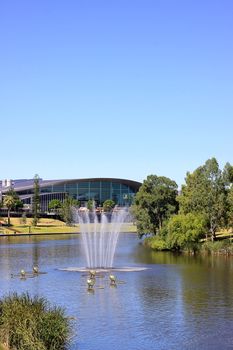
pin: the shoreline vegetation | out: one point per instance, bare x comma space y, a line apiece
223, 245
32, 323
46, 226
196, 218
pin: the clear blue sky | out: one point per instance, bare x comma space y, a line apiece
115, 88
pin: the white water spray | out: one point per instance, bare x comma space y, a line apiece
100, 236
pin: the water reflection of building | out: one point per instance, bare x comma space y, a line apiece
121, 191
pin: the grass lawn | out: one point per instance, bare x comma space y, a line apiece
48, 226
44, 226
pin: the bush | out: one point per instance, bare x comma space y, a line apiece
185, 231
155, 243
108, 205
32, 324
218, 247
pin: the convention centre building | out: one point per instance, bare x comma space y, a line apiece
121, 191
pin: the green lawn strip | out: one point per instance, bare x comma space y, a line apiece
54, 229
45, 229
47, 225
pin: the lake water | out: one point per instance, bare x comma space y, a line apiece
179, 302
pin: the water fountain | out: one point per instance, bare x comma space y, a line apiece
100, 233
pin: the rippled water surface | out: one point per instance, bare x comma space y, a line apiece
179, 302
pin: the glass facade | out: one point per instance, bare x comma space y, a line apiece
121, 192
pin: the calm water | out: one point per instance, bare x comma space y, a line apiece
178, 303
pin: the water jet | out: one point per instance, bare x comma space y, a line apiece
100, 235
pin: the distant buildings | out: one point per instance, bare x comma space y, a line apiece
121, 191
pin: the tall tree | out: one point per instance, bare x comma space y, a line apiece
67, 209
11, 201
230, 208
36, 200
205, 193
154, 202
228, 175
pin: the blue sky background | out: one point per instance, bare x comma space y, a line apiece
126, 88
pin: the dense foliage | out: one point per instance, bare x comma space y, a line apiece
108, 205
185, 231
230, 208
205, 193
32, 324
154, 203
67, 209
205, 206
55, 204
91, 204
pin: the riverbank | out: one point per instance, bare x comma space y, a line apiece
223, 245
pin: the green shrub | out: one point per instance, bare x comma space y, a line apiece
217, 247
155, 243
185, 231
32, 324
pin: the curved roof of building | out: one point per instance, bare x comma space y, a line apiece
20, 185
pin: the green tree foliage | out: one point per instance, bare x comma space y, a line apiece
230, 207
154, 203
108, 205
55, 204
205, 193
32, 324
36, 200
67, 209
156, 243
185, 231
12, 202
228, 174
91, 204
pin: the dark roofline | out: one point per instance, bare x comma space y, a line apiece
44, 183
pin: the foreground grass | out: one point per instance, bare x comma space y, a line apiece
32, 324
223, 247
49, 226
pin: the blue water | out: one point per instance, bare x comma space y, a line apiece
179, 302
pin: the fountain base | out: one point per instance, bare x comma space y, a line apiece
118, 269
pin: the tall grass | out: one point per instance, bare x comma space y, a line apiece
28, 323
218, 247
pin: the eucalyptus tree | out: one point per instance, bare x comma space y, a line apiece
205, 193
154, 202
230, 208
228, 175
